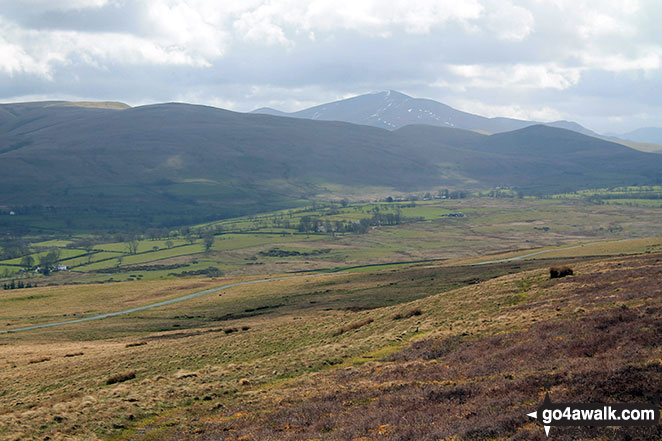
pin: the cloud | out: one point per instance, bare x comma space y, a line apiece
540, 113
541, 76
508, 21
568, 58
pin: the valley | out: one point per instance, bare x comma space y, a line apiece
274, 359
206, 274
273, 220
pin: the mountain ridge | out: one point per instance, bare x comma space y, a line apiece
392, 110
177, 163
650, 135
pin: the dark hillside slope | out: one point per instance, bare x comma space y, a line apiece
172, 158
178, 163
147, 145
537, 158
447, 135
563, 159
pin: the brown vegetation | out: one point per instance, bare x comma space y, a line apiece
73, 354
119, 378
352, 326
408, 314
472, 387
556, 272
138, 343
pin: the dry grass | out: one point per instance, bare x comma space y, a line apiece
408, 314
289, 356
600, 342
122, 377
37, 305
135, 344
353, 326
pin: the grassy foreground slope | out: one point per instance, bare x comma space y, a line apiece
594, 337
394, 354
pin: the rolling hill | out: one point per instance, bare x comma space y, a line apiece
170, 164
650, 135
536, 159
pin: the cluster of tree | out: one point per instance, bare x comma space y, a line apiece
209, 272
600, 198
427, 196
277, 252
206, 234
155, 267
13, 248
504, 194
309, 224
18, 285
157, 233
47, 262
86, 243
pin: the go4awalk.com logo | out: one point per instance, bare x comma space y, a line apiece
577, 414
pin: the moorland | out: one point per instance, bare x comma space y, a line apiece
289, 279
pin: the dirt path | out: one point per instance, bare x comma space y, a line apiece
156, 305
511, 259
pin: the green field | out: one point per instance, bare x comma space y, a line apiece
352, 298
633, 196
65, 254
274, 243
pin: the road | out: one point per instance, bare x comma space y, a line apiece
154, 305
232, 285
511, 259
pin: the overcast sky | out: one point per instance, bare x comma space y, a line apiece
595, 62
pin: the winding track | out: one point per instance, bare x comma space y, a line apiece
511, 259
232, 285
155, 305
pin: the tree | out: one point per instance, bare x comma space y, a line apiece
132, 245
169, 244
214, 272
208, 239
48, 261
27, 262
190, 238
153, 233
87, 245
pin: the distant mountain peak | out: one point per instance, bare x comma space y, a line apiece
390, 93
270, 111
391, 110
644, 134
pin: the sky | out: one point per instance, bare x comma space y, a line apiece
596, 62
